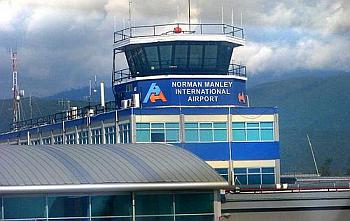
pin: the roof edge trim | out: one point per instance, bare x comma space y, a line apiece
88, 188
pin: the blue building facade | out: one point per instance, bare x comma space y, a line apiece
180, 88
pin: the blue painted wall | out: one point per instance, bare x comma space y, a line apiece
240, 150
184, 91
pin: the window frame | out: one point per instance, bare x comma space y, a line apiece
246, 129
261, 173
212, 129
163, 128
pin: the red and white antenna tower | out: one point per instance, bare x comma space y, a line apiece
17, 93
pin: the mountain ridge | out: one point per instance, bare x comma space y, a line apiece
314, 105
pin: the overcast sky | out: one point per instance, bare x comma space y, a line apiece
62, 44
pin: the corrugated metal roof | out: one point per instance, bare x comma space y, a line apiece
101, 164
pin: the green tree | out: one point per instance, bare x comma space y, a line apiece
326, 167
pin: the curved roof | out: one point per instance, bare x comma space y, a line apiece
57, 168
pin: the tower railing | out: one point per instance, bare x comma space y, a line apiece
178, 28
124, 74
59, 117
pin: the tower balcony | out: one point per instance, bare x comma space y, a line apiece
176, 32
123, 75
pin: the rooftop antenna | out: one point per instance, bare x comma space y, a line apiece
130, 3
31, 106
189, 15
114, 24
92, 90
313, 155
65, 104
222, 11
177, 11
17, 93
241, 19
232, 16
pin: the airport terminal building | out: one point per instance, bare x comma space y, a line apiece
107, 182
180, 88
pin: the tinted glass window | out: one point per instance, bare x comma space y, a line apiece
152, 57
68, 206
172, 135
194, 203
143, 136
206, 135
154, 204
165, 55
240, 170
130, 60
210, 56
181, 56
220, 135
157, 135
254, 179
191, 135
110, 219
155, 218
117, 205
195, 218
253, 135
268, 178
266, 134
196, 56
241, 179
24, 207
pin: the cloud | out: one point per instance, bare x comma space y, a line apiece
305, 54
63, 43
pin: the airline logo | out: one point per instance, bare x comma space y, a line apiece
242, 98
154, 93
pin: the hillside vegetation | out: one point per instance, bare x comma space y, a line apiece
315, 106
41, 107
318, 106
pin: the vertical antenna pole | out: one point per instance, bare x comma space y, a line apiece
31, 106
130, 32
241, 19
313, 155
15, 90
232, 16
177, 12
222, 12
90, 93
114, 24
102, 94
189, 15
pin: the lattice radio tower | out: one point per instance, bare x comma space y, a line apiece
17, 93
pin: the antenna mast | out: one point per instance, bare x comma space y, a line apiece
313, 155
189, 15
17, 94
130, 2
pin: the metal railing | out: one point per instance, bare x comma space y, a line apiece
121, 75
178, 28
237, 70
297, 187
124, 74
64, 116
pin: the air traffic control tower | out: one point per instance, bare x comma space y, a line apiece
181, 88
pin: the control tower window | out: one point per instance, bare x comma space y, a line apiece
131, 63
165, 56
181, 56
196, 56
210, 56
152, 56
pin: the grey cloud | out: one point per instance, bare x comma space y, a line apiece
63, 43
